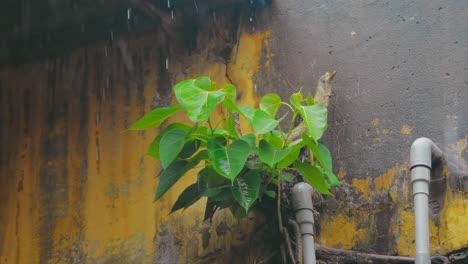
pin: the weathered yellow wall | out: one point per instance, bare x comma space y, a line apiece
74, 184
76, 188
356, 224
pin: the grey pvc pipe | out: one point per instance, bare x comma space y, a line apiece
303, 206
423, 152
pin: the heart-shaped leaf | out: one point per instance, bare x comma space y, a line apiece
189, 196
251, 139
171, 144
287, 177
228, 161
189, 149
327, 165
211, 177
155, 118
269, 155
230, 125
246, 188
263, 122
231, 97
314, 116
197, 102
274, 138
172, 174
203, 83
313, 175
270, 103
291, 157
153, 149
192, 194
248, 112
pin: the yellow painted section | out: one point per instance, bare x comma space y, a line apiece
95, 205
340, 232
376, 122
362, 186
406, 130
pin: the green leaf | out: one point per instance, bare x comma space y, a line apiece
275, 181
271, 194
248, 112
250, 139
231, 97
314, 116
270, 103
246, 188
228, 161
323, 157
313, 175
287, 177
211, 177
153, 149
155, 118
230, 125
310, 100
291, 157
197, 102
172, 174
189, 196
203, 83
237, 211
313, 147
269, 155
171, 144
327, 165
263, 122
189, 149
274, 138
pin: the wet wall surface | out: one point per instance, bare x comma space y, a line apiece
76, 188
402, 73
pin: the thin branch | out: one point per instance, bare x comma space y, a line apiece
297, 233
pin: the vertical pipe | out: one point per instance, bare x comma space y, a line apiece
423, 152
421, 215
302, 202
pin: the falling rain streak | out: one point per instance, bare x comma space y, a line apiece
167, 63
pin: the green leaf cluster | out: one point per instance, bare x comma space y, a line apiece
236, 170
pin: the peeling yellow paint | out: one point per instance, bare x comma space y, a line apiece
382, 183
340, 232
406, 130
341, 173
362, 186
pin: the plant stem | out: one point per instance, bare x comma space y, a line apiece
278, 203
211, 127
290, 128
288, 105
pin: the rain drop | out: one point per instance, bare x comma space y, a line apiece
172, 14
196, 7
214, 16
128, 13
250, 19
105, 51
169, 4
112, 35
167, 63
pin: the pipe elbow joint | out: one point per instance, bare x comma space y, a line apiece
423, 152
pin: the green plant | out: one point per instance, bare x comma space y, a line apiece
235, 169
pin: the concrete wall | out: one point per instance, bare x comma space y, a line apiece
402, 74
75, 187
